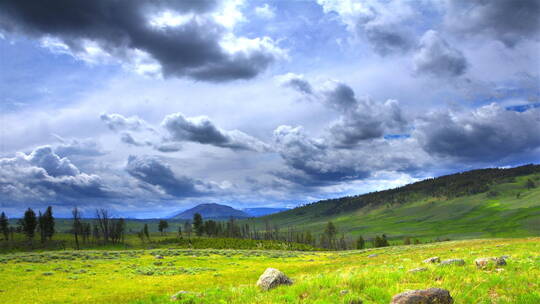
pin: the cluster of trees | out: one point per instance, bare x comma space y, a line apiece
103, 229
329, 239
30, 224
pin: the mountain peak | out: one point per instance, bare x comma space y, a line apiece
211, 211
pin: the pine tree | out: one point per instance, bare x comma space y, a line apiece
49, 223
360, 243
145, 231
4, 226
163, 225
330, 232
41, 227
198, 224
28, 223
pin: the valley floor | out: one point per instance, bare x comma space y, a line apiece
229, 276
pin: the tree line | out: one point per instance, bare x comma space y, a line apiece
104, 229
29, 225
328, 239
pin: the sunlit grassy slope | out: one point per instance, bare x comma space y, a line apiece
508, 209
229, 276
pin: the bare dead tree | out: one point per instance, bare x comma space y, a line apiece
77, 225
104, 222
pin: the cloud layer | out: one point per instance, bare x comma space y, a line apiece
176, 38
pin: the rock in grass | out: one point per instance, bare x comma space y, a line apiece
485, 262
372, 255
179, 295
458, 262
432, 260
272, 278
159, 257
425, 296
419, 269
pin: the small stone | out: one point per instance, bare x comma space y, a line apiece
485, 262
159, 257
419, 269
425, 296
458, 262
506, 257
432, 260
344, 292
372, 255
271, 278
177, 296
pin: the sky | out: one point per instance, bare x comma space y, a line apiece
150, 107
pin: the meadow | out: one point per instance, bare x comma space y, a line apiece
228, 276
507, 209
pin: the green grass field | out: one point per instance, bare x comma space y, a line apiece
229, 276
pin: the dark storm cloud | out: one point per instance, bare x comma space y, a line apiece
489, 133
192, 49
388, 39
313, 158
298, 83
43, 175
507, 21
153, 171
361, 118
315, 162
201, 130
436, 57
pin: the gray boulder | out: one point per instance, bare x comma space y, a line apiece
372, 255
271, 278
485, 262
432, 260
458, 262
425, 296
419, 269
179, 295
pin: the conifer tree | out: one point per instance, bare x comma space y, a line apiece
28, 223
145, 231
49, 223
163, 225
360, 243
4, 226
198, 224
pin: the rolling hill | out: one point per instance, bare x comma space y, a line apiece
211, 211
262, 211
472, 204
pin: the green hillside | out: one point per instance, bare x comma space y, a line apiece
473, 204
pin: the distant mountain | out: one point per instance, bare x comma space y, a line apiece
211, 211
256, 212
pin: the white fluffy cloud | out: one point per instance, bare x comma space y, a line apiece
42, 175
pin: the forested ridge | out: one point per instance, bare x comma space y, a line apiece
447, 186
